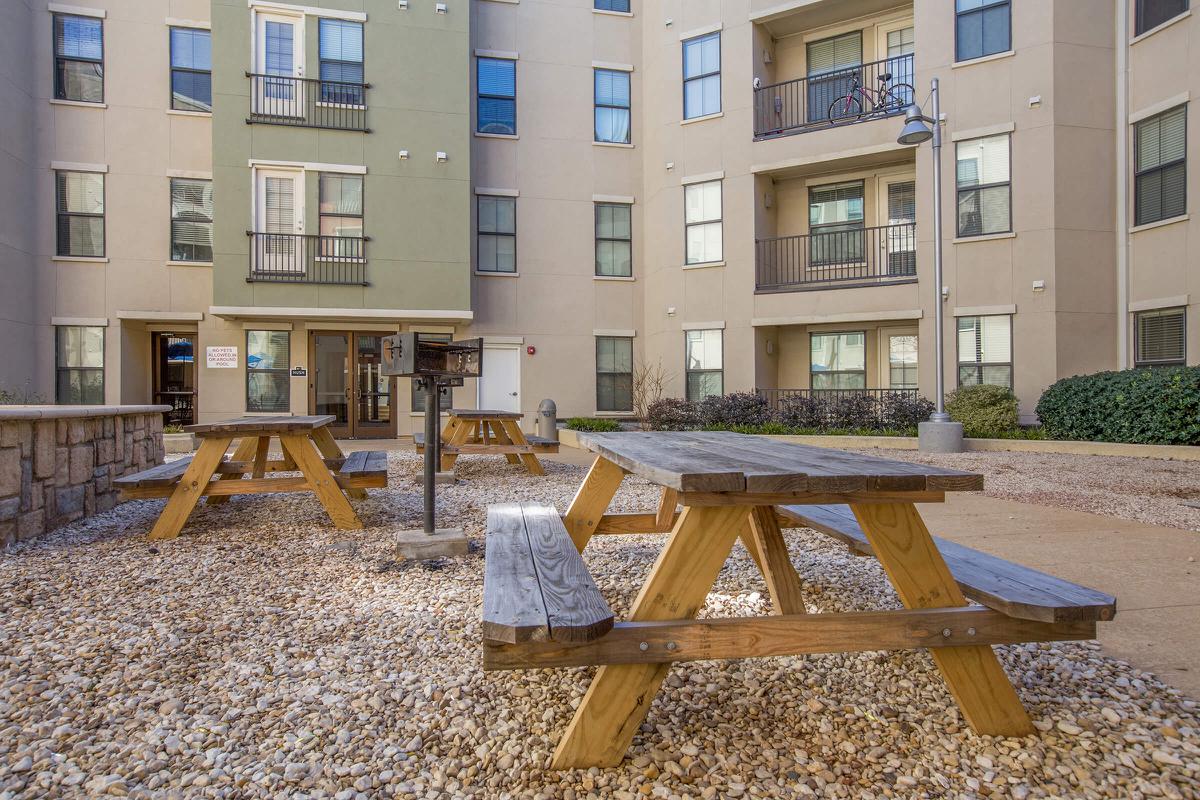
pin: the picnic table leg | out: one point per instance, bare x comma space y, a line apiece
668, 503
920, 576
502, 438
591, 501
459, 435
620, 695
329, 448
783, 582
530, 460
246, 449
190, 487
308, 459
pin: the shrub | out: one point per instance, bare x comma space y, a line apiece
801, 411
673, 414
904, 411
738, 408
985, 411
594, 425
1150, 405
853, 410
172, 429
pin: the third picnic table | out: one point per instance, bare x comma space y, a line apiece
490, 432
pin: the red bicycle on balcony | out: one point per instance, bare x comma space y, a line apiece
889, 98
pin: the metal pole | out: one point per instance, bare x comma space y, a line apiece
432, 451
940, 414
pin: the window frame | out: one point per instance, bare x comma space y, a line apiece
480, 96
60, 368
958, 15
606, 5
720, 220
980, 365
479, 233
1160, 167
599, 407
1139, 24
696, 40
59, 215
59, 88
191, 70
356, 251
173, 220
1137, 336
598, 238
284, 370
597, 105
959, 190
688, 371
811, 372
343, 86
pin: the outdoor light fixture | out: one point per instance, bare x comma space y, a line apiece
916, 127
403, 155
440, 8
441, 156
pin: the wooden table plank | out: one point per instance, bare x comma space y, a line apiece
483, 413
252, 426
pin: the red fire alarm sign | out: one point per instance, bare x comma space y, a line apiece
531, 349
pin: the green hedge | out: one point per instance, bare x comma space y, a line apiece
592, 424
1157, 405
985, 411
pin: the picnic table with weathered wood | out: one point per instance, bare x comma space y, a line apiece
307, 447
489, 432
542, 608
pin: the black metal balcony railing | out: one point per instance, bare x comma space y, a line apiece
308, 102
841, 408
303, 258
840, 97
837, 258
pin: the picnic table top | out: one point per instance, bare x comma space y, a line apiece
484, 413
242, 426
720, 461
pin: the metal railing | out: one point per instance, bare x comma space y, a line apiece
837, 258
305, 258
838, 408
308, 102
806, 104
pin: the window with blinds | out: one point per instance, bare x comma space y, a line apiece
901, 239
704, 358
985, 351
1160, 178
984, 188
341, 52
496, 234
1152, 13
702, 76
496, 91
268, 385
833, 64
79, 365
78, 58
340, 216
191, 220
1160, 338
703, 227
835, 221
982, 28
191, 69
611, 89
611, 5
614, 373
614, 240
80, 218
838, 360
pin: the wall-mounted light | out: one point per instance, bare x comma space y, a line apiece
670, 165
670, 311
402, 5
440, 8
441, 156
1039, 286
670, 22
1035, 101
404, 155
945, 293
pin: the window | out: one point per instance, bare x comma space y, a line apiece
78, 58
497, 234
340, 215
984, 188
838, 360
985, 351
835, 223
612, 5
191, 69
702, 222
80, 204
497, 94
1160, 190
614, 240
833, 66
902, 361
341, 53
704, 361
79, 363
267, 381
902, 230
702, 76
446, 398
1160, 338
191, 220
982, 27
612, 106
614, 373
1152, 13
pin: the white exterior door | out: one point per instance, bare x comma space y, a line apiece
500, 386
279, 55
279, 219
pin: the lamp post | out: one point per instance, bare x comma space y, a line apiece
939, 434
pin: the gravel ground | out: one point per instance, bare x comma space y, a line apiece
264, 654
1147, 489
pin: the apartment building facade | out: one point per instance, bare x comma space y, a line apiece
225, 205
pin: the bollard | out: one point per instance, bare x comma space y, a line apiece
547, 420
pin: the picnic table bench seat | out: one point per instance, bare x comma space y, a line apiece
363, 469
537, 444
536, 586
1010, 588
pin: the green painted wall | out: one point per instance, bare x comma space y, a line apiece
416, 212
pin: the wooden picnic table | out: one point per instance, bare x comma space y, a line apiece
489, 432
542, 608
308, 448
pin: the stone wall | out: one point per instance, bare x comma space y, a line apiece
57, 463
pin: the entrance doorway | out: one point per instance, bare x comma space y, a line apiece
345, 381
175, 375
500, 386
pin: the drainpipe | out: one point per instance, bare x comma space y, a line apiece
1122, 164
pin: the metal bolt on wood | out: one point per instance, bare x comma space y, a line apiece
946, 632
970, 631
644, 646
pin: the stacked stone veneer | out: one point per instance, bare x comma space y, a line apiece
58, 463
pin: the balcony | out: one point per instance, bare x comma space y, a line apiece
845, 96
308, 103
837, 259
304, 258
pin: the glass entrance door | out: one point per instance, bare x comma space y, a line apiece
175, 375
374, 392
330, 379
346, 382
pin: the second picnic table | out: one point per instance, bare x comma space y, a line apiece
489, 432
